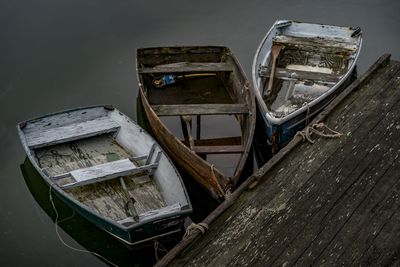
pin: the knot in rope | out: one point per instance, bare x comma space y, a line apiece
201, 227
320, 129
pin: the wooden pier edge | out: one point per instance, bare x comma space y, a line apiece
253, 180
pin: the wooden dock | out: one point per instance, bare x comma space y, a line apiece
334, 202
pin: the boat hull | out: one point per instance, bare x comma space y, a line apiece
156, 223
325, 69
280, 134
193, 164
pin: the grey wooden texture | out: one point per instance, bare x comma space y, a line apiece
107, 197
70, 132
335, 202
64, 118
200, 109
103, 170
301, 75
154, 213
317, 41
188, 67
232, 149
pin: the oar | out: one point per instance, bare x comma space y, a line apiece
275, 50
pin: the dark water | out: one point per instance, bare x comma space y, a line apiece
61, 54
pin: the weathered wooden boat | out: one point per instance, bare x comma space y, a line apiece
297, 70
179, 85
108, 169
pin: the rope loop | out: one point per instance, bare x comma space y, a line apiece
158, 247
200, 227
319, 129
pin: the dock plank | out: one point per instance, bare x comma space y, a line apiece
333, 202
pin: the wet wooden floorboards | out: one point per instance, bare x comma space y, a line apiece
335, 202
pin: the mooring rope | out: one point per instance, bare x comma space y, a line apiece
56, 222
307, 114
215, 181
317, 129
201, 227
158, 247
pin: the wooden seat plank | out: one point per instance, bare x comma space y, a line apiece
57, 135
200, 109
103, 172
188, 67
221, 141
110, 169
321, 43
234, 149
300, 75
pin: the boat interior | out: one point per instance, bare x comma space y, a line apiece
304, 68
204, 105
66, 163
97, 167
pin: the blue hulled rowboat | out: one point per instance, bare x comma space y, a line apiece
297, 70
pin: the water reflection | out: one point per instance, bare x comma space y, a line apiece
90, 237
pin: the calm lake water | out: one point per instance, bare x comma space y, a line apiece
56, 55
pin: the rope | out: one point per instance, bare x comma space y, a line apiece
201, 227
56, 222
159, 247
215, 181
317, 129
307, 114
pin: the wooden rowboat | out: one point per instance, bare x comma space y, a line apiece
180, 85
297, 70
108, 169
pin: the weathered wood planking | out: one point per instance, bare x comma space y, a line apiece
334, 202
99, 171
105, 172
313, 42
300, 75
198, 96
233, 149
223, 141
107, 199
200, 109
64, 118
188, 67
64, 158
70, 132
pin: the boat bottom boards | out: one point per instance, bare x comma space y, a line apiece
107, 198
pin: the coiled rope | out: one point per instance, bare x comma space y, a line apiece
201, 227
319, 129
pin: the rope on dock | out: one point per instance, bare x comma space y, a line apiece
318, 129
201, 227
